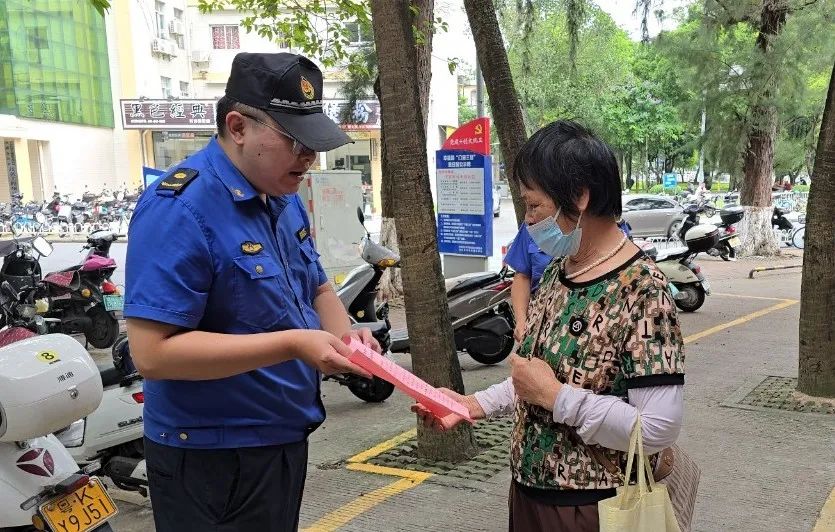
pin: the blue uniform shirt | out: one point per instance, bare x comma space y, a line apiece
524, 256
214, 257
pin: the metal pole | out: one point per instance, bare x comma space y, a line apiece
700, 176
479, 91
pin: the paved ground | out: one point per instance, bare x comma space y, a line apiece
761, 471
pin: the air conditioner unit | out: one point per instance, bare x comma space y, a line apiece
158, 46
171, 48
199, 56
175, 27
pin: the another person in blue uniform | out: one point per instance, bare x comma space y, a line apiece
231, 318
528, 262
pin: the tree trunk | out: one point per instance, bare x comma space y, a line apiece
434, 357
504, 101
758, 163
391, 283
816, 372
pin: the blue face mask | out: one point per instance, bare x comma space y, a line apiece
550, 238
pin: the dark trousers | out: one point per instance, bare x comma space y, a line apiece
529, 515
226, 490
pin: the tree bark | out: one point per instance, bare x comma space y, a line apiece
816, 372
758, 238
504, 101
391, 283
434, 357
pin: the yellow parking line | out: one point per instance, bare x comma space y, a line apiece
742, 296
739, 321
390, 471
383, 447
826, 521
344, 514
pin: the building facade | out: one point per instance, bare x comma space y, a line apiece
56, 106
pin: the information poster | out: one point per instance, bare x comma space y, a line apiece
465, 203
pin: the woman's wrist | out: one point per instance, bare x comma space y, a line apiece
474, 407
549, 395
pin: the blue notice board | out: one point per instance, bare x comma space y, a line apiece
670, 180
465, 203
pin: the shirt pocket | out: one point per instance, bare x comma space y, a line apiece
310, 258
259, 300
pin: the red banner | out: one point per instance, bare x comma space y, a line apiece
473, 136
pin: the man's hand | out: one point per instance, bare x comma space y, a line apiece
450, 421
534, 381
325, 352
365, 337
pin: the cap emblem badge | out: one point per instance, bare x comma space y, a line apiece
307, 89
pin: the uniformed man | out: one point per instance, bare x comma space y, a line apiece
231, 318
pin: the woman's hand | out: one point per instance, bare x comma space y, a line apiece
450, 421
519, 330
534, 381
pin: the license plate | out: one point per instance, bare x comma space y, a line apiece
734, 241
706, 286
112, 303
84, 509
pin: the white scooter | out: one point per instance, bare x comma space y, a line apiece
112, 434
45, 383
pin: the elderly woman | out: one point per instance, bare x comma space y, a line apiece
602, 342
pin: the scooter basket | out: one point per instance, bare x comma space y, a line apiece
731, 215
701, 238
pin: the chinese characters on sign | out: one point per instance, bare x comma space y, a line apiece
167, 114
465, 213
365, 115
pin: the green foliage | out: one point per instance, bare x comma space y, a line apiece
660, 189
320, 28
800, 188
100, 5
720, 187
466, 112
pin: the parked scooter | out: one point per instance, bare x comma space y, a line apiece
113, 434
358, 294
729, 241
47, 382
678, 265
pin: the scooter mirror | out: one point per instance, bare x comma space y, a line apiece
360, 216
42, 246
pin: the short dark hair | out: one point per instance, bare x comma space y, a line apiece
562, 159
226, 105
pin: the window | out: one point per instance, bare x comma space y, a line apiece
159, 16
184, 89
225, 38
358, 34
639, 204
166, 86
659, 204
180, 39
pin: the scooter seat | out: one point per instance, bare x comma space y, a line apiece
672, 254
110, 376
460, 285
376, 327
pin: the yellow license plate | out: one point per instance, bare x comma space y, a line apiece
84, 509
734, 241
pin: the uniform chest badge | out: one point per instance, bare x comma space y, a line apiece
251, 248
577, 325
302, 233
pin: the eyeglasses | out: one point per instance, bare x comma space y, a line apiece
298, 147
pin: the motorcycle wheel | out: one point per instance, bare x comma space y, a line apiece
691, 297
374, 390
493, 358
799, 238
727, 253
104, 330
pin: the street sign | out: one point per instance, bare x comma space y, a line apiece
168, 114
670, 180
465, 203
